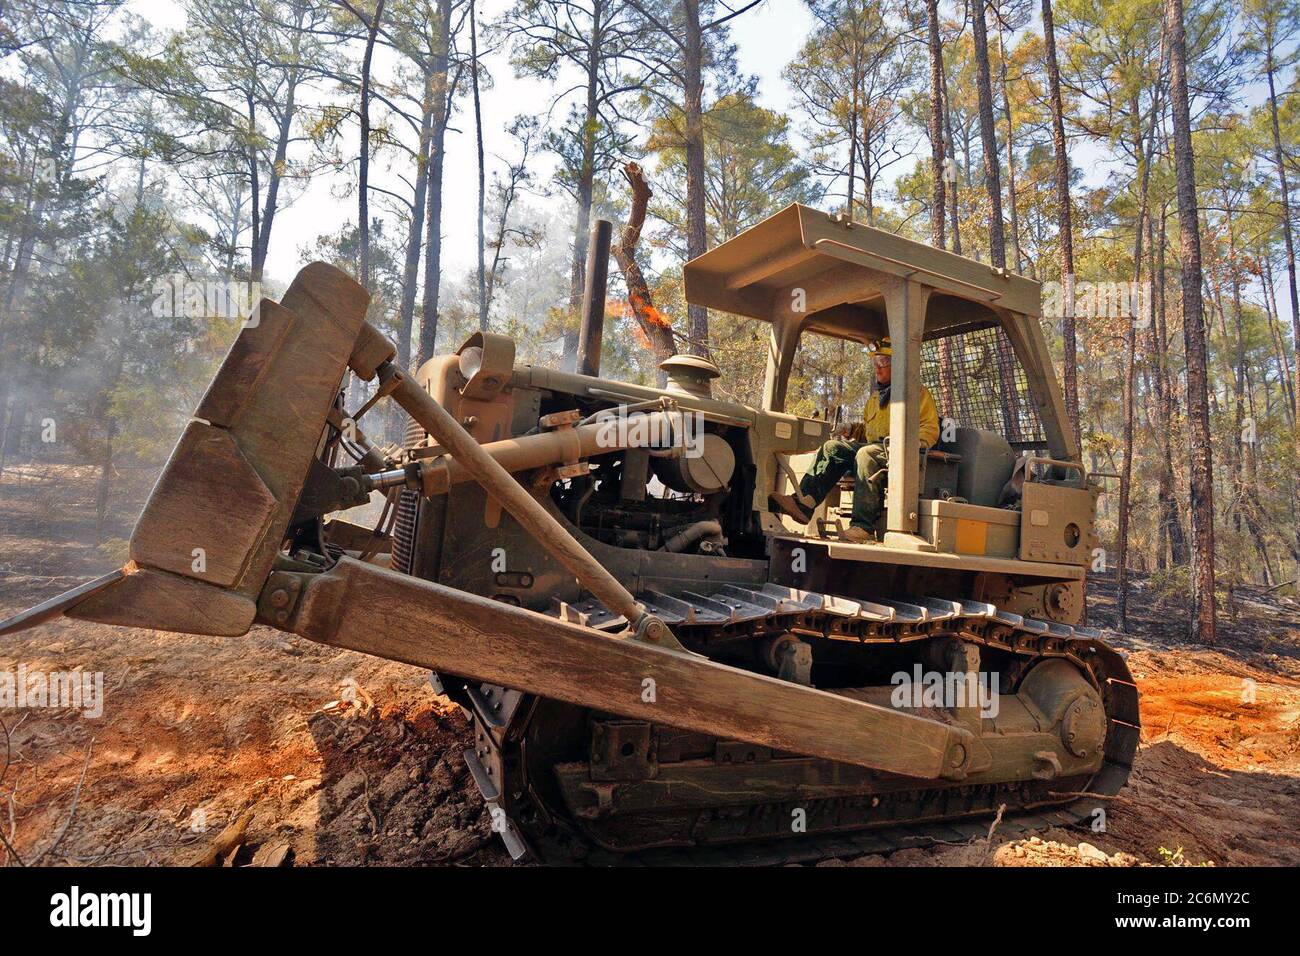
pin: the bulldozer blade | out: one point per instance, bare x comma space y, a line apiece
58, 606
365, 608
215, 520
135, 596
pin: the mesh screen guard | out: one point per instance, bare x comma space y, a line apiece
975, 377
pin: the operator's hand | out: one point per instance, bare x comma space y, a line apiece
854, 432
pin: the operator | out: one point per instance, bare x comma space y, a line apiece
861, 448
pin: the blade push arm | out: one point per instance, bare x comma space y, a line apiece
365, 608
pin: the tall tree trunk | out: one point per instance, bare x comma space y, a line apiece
1016, 261
938, 199
363, 164
437, 156
938, 173
1166, 407
254, 180
1248, 505
1198, 414
482, 187
415, 230
951, 166
988, 137
693, 108
653, 324
993, 187
1275, 332
586, 191
1287, 237
868, 183
1130, 360
1126, 470
353, 391
1143, 150
855, 111
1065, 231
274, 176
1161, 413
104, 486
112, 377
1239, 452
236, 227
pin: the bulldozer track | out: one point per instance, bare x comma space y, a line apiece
839, 826
815, 849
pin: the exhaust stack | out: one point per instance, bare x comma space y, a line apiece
593, 298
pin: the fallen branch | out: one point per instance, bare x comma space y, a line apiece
997, 820
76, 798
226, 840
92, 860
370, 811
988, 837
4, 839
8, 752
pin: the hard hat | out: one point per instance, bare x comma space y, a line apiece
882, 347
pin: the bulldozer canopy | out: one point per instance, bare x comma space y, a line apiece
845, 265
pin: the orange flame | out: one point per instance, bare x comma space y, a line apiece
648, 311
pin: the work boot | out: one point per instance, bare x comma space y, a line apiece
796, 506
856, 535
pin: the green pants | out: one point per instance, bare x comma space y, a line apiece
833, 461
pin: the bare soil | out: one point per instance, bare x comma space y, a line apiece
345, 759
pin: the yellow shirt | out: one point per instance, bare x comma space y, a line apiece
875, 420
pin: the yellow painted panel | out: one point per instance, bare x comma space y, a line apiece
972, 536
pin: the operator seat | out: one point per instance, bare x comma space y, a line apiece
986, 461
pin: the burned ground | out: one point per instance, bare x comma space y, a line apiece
338, 758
